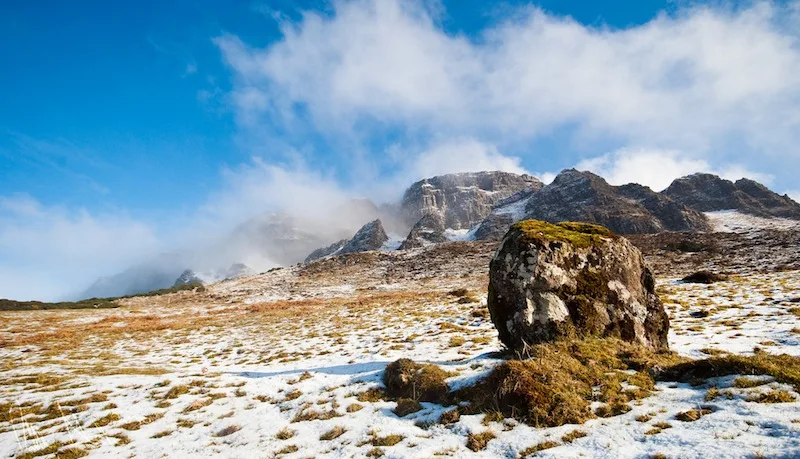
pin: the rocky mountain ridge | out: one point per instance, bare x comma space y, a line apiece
463, 206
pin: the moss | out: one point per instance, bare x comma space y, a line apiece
577, 234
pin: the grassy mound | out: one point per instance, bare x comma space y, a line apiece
784, 368
575, 233
424, 382
560, 380
555, 386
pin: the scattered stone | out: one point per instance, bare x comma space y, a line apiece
704, 277
551, 281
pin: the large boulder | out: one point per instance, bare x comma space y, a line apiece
550, 281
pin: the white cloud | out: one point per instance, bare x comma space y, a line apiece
704, 78
48, 252
657, 168
463, 155
794, 194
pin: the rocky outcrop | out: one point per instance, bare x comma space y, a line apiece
187, 277
586, 197
463, 200
708, 192
505, 213
428, 230
672, 215
551, 281
326, 251
370, 237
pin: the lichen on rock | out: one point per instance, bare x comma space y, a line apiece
549, 281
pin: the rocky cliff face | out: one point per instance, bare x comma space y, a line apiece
586, 197
463, 200
707, 192
370, 237
334, 248
428, 230
553, 281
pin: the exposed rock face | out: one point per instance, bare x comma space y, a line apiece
494, 227
187, 277
572, 279
672, 215
462, 199
505, 213
326, 251
370, 237
428, 230
630, 209
707, 193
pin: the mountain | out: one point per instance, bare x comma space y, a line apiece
629, 209
464, 199
428, 230
476, 205
708, 192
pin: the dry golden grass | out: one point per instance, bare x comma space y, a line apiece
556, 385
479, 441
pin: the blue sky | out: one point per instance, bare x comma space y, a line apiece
123, 124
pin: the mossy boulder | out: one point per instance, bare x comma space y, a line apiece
550, 281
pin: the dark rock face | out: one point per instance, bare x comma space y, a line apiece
707, 193
326, 251
494, 227
370, 237
187, 277
428, 230
505, 213
572, 279
673, 216
462, 199
630, 209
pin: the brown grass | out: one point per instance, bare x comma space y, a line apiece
547, 444
693, 414
406, 406
333, 434
479, 441
555, 386
417, 381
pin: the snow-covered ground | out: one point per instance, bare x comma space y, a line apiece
275, 372
736, 222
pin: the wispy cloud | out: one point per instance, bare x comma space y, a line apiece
48, 251
658, 168
717, 82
